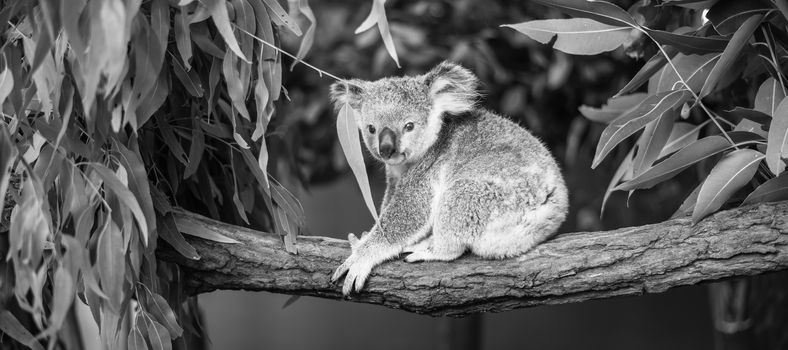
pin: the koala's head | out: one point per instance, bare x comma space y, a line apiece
400, 118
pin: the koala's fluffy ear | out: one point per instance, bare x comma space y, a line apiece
346, 92
453, 88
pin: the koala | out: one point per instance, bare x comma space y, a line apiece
459, 178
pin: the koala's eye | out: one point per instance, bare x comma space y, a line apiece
409, 126
371, 129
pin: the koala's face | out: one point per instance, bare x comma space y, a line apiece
400, 118
394, 119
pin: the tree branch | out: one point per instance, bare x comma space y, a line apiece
572, 267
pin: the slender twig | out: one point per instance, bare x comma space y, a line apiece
318, 70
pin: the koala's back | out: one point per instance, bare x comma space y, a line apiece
487, 147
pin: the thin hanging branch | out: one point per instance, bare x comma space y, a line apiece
573, 267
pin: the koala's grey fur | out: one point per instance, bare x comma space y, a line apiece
462, 178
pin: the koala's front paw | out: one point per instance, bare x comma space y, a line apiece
357, 269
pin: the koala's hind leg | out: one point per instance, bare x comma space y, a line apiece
461, 213
516, 227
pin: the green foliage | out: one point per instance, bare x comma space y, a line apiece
715, 86
114, 112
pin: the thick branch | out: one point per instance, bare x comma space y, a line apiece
570, 268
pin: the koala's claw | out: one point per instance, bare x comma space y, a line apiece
353, 240
417, 256
357, 273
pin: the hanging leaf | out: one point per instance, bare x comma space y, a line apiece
731, 54
309, 37
196, 149
125, 196
183, 38
239, 206
131, 160
378, 15
62, 295
732, 172
170, 234
221, 19
600, 11
777, 144
111, 264
577, 36
280, 16
652, 108
259, 172
693, 153
769, 95
8, 154
351, 146
288, 202
620, 174
651, 142
169, 138
189, 79
158, 335
154, 99
160, 22
6, 82
158, 307
614, 108
14, 329
136, 341
235, 84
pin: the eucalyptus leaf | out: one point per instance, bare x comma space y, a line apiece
776, 189
732, 172
11, 326
309, 36
168, 231
777, 142
136, 341
614, 108
578, 36
649, 110
732, 52
769, 95
125, 196
351, 146
221, 19
111, 263
689, 155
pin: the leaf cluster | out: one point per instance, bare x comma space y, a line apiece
113, 112
712, 94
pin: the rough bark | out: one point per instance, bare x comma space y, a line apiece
573, 267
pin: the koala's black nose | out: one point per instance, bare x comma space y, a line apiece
387, 143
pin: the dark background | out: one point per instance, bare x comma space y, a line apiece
529, 82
